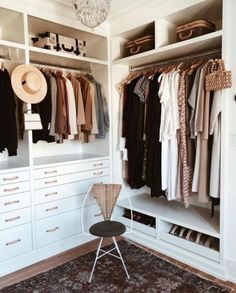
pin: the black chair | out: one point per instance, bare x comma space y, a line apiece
106, 196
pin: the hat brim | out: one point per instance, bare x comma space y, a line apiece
16, 81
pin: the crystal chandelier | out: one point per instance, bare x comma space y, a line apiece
91, 13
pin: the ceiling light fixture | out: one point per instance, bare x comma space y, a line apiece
91, 13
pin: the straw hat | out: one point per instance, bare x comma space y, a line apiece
29, 84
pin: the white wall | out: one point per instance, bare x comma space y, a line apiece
229, 142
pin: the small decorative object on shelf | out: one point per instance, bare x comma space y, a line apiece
91, 13
59, 43
194, 29
139, 45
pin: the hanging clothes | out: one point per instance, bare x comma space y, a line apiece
53, 85
133, 116
44, 109
8, 128
79, 104
215, 130
71, 109
168, 131
153, 120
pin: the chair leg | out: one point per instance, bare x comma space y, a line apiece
97, 254
121, 258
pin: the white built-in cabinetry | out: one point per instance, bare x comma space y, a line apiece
166, 214
43, 187
41, 190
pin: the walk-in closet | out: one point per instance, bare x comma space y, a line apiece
142, 100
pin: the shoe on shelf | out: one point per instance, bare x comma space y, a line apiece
175, 230
212, 243
197, 240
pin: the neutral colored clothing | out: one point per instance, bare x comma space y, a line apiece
201, 131
168, 94
186, 170
71, 109
215, 129
53, 84
80, 116
61, 113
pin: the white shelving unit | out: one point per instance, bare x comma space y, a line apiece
198, 44
45, 183
169, 213
195, 218
106, 60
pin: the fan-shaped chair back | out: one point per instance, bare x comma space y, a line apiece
106, 196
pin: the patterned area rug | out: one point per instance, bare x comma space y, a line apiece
149, 274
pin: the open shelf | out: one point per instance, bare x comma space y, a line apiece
61, 159
11, 26
194, 217
96, 46
139, 227
63, 59
12, 44
195, 45
11, 165
131, 35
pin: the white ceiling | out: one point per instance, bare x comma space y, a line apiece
119, 6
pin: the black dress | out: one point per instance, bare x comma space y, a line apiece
133, 115
8, 129
153, 145
44, 108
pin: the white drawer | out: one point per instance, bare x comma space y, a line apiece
14, 188
15, 218
66, 190
74, 177
59, 206
67, 169
14, 177
56, 228
14, 202
15, 241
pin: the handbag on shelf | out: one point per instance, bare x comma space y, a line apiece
194, 29
218, 78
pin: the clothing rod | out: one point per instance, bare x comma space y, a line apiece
49, 65
212, 53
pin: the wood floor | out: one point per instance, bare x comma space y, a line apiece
83, 249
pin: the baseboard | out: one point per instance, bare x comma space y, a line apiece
230, 265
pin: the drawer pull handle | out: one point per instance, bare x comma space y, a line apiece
50, 172
52, 193
98, 215
50, 182
51, 209
11, 202
52, 230
98, 164
11, 178
13, 242
11, 189
98, 173
12, 219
